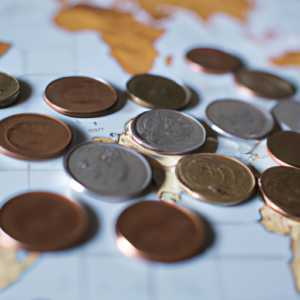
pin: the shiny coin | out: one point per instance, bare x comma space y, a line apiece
9, 90
234, 118
263, 84
33, 137
157, 92
42, 221
168, 131
212, 61
81, 97
216, 179
284, 148
281, 190
159, 231
109, 170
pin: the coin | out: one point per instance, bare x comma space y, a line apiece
168, 131
109, 170
264, 84
283, 147
235, 118
281, 190
42, 221
154, 91
33, 137
81, 97
216, 179
212, 61
9, 90
159, 231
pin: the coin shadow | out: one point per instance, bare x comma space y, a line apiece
195, 100
251, 197
25, 92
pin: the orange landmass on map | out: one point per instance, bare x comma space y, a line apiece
3, 48
131, 42
288, 59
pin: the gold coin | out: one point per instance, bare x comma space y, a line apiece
215, 178
9, 90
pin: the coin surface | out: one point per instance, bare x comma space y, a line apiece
33, 137
80, 96
168, 131
212, 61
281, 190
154, 91
216, 179
109, 169
159, 231
264, 84
43, 221
235, 118
9, 90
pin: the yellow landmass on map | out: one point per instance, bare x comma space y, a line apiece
131, 42
3, 48
288, 59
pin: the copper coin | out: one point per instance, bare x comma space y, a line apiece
281, 190
33, 137
81, 97
212, 61
9, 90
216, 179
283, 147
43, 221
109, 170
264, 84
235, 118
168, 131
159, 231
154, 91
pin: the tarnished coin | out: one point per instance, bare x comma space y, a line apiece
9, 90
284, 148
154, 91
235, 118
264, 84
212, 61
281, 190
41, 221
159, 231
168, 131
81, 97
33, 137
109, 170
216, 179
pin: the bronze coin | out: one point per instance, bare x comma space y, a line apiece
168, 131
283, 147
281, 190
216, 179
43, 221
109, 169
159, 231
9, 90
212, 61
154, 91
81, 97
33, 137
239, 119
264, 84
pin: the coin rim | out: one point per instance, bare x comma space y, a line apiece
12, 98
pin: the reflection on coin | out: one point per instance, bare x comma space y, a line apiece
9, 90
42, 221
212, 61
235, 118
168, 131
81, 97
33, 137
284, 148
281, 190
154, 91
263, 84
109, 169
216, 179
159, 231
